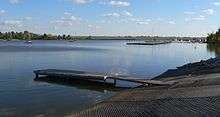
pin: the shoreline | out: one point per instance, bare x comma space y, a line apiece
203, 67
190, 92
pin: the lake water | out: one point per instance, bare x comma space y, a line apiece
21, 95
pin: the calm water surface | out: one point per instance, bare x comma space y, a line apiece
20, 95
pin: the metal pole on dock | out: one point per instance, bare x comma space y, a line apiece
115, 81
36, 75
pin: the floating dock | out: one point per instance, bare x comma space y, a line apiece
99, 77
149, 43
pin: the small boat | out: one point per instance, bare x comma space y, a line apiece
28, 42
72, 40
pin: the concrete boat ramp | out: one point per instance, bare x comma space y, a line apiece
99, 77
188, 97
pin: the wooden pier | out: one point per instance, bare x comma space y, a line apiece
81, 75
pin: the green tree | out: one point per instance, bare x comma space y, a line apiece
214, 37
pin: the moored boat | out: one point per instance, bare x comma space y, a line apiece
28, 42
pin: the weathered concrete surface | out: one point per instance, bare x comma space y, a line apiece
189, 96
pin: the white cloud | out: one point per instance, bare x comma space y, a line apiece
172, 22
57, 22
112, 15
12, 23
126, 13
209, 11
135, 19
67, 13
160, 19
122, 14
187, 19
69, 17
93, 26
216, 3
82, 1
189, 13
149, 20
126, 17
142, 23
67, 20
119, 3
199, 18
14, 1
2, 12
28, 18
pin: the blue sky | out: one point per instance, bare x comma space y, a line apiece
111, 17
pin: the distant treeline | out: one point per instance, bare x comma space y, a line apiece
32, 36
214, 37
26, 35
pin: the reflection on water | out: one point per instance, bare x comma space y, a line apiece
82, 84
214, 48
30, 48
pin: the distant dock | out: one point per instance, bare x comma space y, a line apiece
98, 77
149, 43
